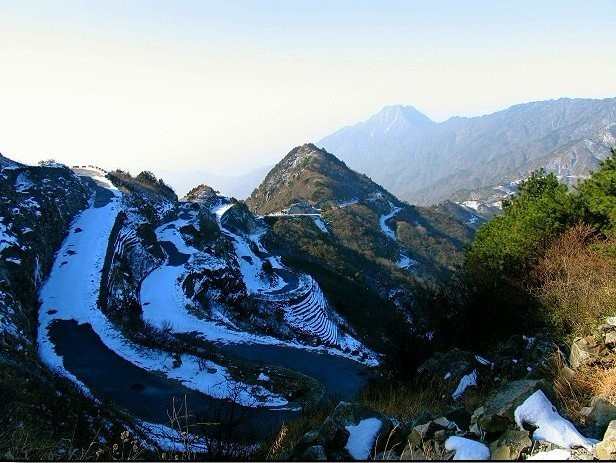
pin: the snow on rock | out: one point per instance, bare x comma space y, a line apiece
7, 239
385, 228
465, 382
171, 440
467, 449
23, 182
320, 223
406, 262
263, 377
552, 455
362, 437
482, 360
538, 411
472, 204
71, 293
164, 302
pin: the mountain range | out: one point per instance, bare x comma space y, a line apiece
464, 158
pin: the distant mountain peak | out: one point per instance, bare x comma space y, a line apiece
399, 118
424, 162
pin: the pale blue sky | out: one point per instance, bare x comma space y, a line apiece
189, 85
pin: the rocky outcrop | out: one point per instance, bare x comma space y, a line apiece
510, 445
496, 415
585, 351
349, 432
606, 449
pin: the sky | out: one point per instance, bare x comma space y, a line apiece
218, 87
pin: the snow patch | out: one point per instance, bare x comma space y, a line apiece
551, 455
362, 437
465, 382
385, 228
539, 412
467, 449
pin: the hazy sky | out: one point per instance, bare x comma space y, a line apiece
188, 86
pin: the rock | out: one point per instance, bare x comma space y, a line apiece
333, 432
309, 439
496, 415
606, 449
413, 454
585, 351
444, 423
441, 435
314, 453
461, 417
510, 445
610, 339
611, 321
606, 328
422, 433
599, 415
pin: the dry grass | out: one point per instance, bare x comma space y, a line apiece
404, 401
281, 445
570, 393
574, 390
577, 281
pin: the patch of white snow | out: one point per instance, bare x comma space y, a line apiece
362, 437
467, 449
539, 412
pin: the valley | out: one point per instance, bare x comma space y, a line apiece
210, 326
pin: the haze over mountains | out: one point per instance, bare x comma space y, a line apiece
425, 162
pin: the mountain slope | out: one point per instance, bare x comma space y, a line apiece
357, 221
428, 162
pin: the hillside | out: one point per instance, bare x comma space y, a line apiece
464, 158
355, 212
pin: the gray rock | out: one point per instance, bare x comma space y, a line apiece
422, 433
610, 339
611, 321
496, 415
315, 453
510, 445
584, 351
599, 415
606, 449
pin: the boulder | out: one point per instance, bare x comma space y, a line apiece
510, 445
606, 449
496, 415
599, 415
422, 433
314, 453
610, 339
585, 351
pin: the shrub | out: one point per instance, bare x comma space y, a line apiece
577, 281
508, 245
598, 194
